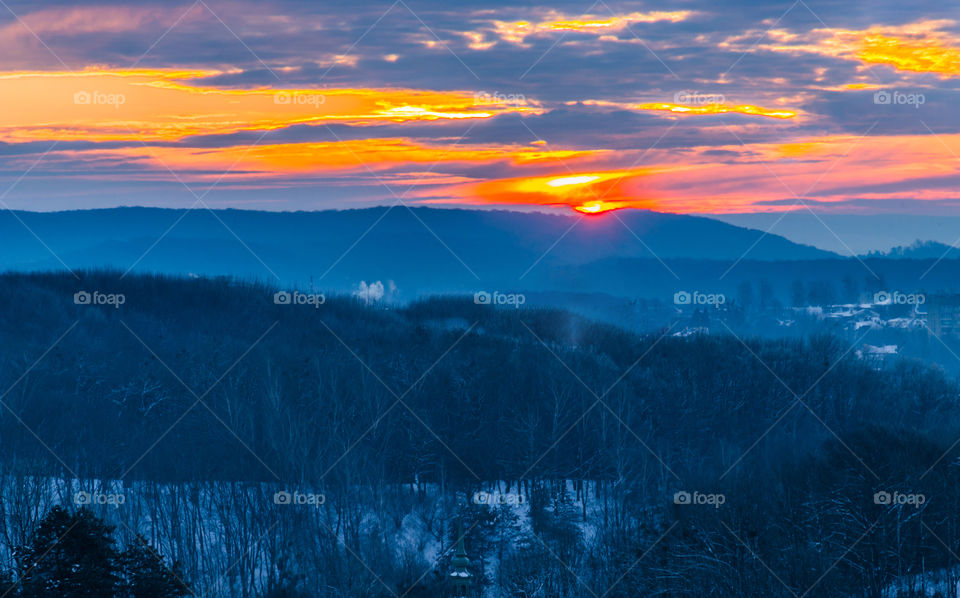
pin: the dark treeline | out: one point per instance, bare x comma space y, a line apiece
200, 381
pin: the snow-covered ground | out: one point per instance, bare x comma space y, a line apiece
232, 537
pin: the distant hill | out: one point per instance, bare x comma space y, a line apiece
851, 234
425, 249
919, 250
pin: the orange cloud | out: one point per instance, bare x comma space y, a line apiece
917, 55
698, 109
356, 157
517, 32
825, 169
105, 105
919, 47
718, 109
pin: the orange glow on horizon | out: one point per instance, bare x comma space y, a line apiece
704, 184
587, 193
598, 207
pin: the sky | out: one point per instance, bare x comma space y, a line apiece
690, 107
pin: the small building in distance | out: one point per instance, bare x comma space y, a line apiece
943, 314
461, 579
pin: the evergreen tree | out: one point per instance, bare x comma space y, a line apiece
69, 555
146, 575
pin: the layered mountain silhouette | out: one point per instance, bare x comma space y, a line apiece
425, 247
561, 260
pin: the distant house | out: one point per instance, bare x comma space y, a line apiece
878, 356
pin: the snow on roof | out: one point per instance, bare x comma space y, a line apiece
883, 350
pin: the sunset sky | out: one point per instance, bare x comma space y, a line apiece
692, 107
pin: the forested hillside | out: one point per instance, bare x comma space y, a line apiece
201, 399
